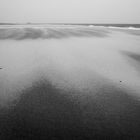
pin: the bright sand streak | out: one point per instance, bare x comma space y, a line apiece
82, 63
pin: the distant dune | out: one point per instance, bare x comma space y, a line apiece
48, 33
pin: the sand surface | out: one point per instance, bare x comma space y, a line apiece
69, 82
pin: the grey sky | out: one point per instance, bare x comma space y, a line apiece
80, 11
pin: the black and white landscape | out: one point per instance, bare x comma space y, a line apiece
70, 69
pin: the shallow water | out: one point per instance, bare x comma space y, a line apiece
95, 70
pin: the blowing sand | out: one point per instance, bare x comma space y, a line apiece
69, 83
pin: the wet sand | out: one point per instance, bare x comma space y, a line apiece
79, 83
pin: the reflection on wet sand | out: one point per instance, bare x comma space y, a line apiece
75, 88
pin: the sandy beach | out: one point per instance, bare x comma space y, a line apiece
69, 82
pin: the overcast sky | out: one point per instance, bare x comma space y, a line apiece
70, 11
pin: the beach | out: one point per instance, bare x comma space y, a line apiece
69, 82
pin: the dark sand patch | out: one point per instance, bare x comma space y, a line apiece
134, 59
47, 112
134, 56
